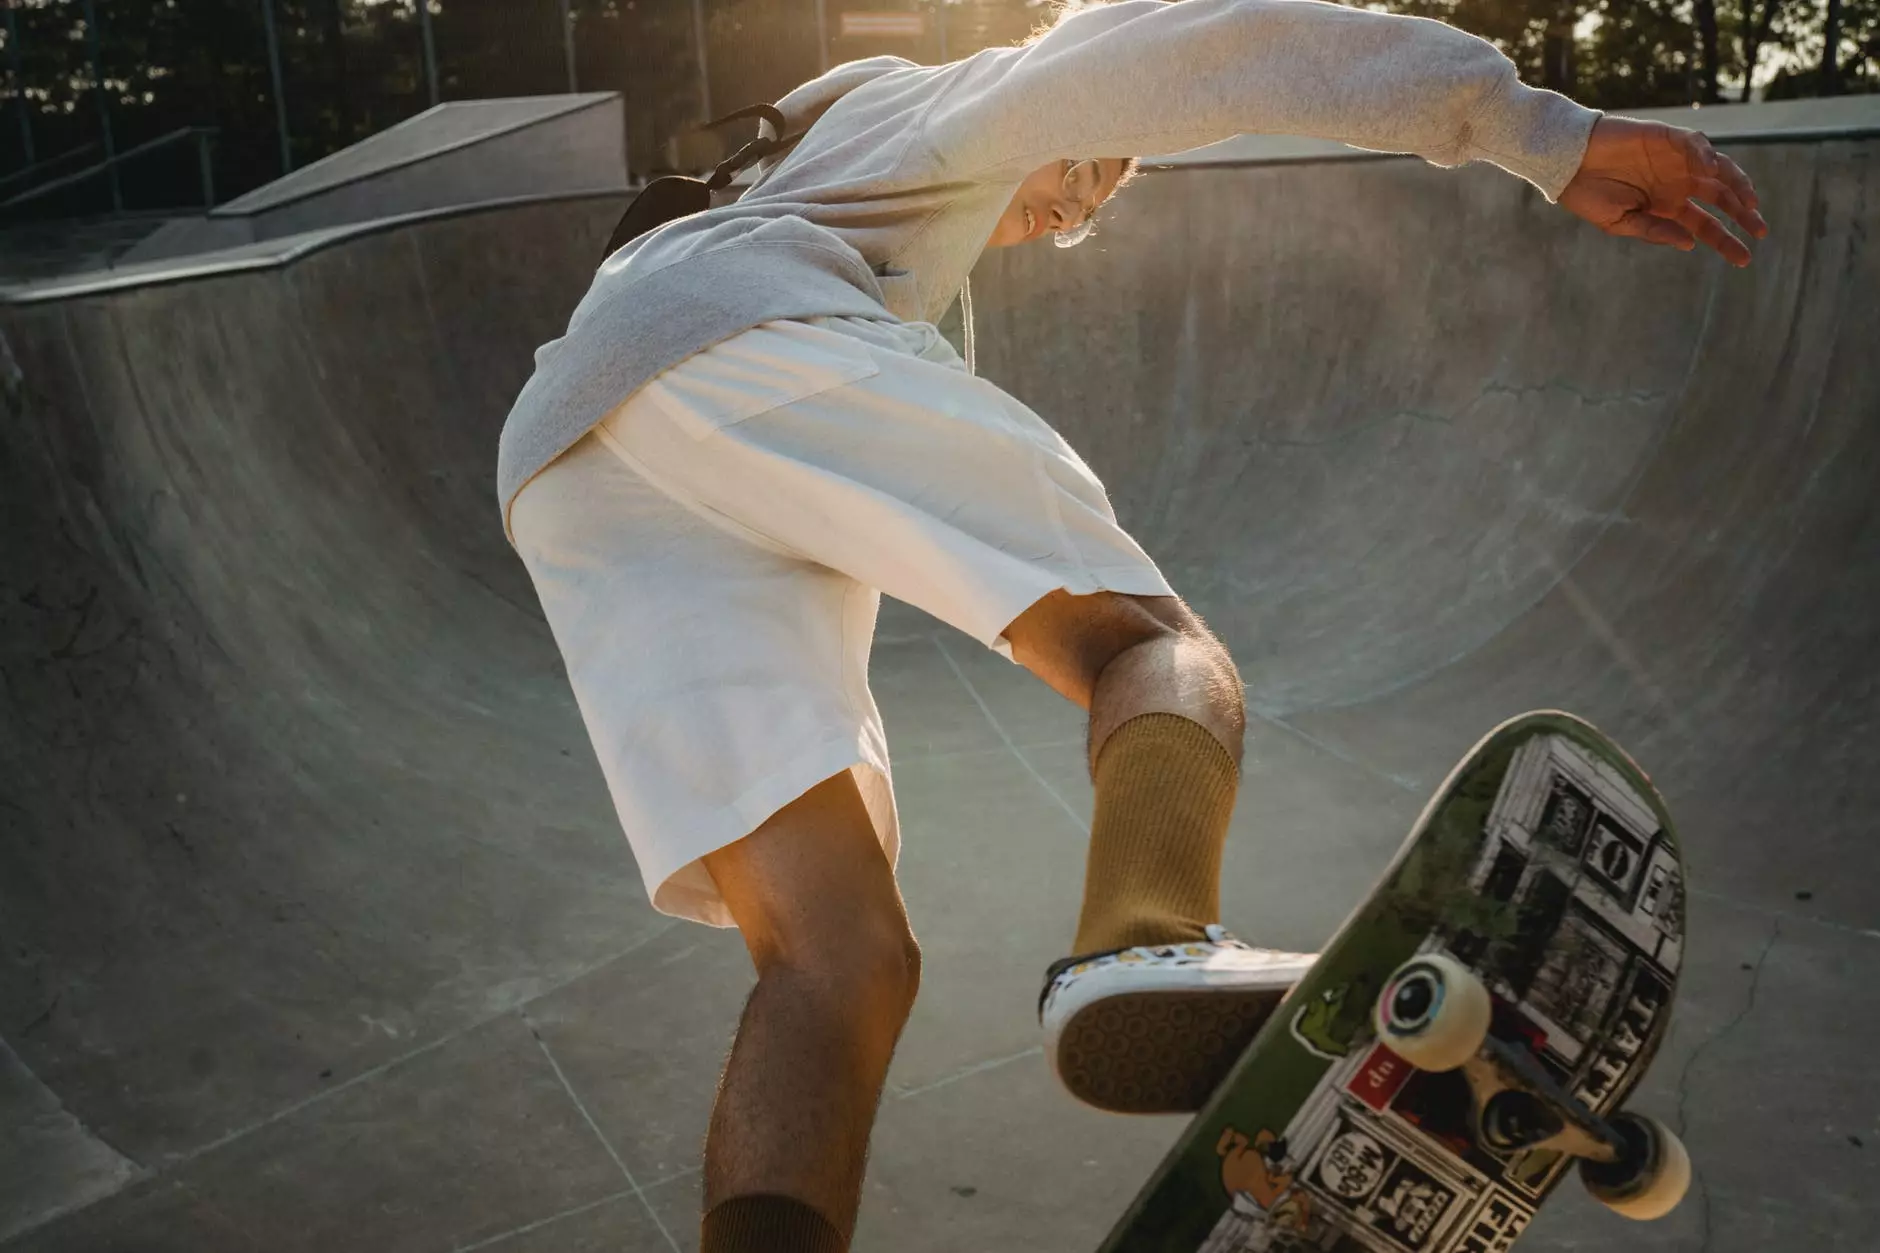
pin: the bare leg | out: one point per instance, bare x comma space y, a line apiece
837, 969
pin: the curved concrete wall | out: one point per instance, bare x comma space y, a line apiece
294, 796
1427, 452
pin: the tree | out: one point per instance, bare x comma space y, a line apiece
1760, 21
644, 50
1860, 30
1641, 53
333, 34
1707, 67
1830, 50
1535, 34
1605, 53
1854, 66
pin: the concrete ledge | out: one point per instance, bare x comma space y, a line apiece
1843, 117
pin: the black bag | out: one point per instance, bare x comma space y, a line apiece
675, 196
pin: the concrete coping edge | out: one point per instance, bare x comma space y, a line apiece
295, 247
586, 100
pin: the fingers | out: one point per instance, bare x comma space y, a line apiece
1710, 178
1716, 179
1653, 229
1709, 231
1712, 191
1730, 201
1683, 228
1731, 175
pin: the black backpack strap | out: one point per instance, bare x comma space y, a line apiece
754, 151
675, 196
661, 201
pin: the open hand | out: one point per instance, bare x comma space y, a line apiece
1651, 181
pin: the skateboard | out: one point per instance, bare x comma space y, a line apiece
1469, 1035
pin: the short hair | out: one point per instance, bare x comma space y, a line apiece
1056, 13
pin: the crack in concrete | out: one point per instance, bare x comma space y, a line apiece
1630, 396
1258, 440
1787, 915
1690, 1064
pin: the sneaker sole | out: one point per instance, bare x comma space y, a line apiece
1159, 1052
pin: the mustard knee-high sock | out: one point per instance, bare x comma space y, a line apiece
767, 1223
1165, 791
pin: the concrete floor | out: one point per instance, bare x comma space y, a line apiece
315, 932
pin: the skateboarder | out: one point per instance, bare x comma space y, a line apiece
751, 429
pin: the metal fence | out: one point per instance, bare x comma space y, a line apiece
285, 82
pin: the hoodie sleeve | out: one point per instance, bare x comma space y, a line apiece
1140, 77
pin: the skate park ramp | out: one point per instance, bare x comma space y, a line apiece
316, 931
462, 152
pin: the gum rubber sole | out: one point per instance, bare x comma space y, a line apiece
1159, 1052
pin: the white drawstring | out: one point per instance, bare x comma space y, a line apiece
966, 322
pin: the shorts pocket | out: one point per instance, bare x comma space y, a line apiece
764, 368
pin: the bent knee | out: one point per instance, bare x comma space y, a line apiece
1183, 623
1069, 641
1178, 618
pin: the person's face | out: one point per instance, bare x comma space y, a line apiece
1056, 197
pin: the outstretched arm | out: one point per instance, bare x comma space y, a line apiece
1140, 77
1650, 181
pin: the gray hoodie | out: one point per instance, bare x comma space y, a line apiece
884, 206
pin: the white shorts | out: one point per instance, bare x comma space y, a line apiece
711, 557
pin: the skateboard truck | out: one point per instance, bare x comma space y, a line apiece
1435, 1013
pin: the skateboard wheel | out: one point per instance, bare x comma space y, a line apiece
1433, 1012
1650, 1177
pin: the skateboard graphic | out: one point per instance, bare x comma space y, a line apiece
1469, 1035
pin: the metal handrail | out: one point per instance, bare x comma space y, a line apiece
202, 135
38, 168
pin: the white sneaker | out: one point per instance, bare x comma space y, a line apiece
1153, 1030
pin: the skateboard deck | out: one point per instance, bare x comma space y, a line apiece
1546, 872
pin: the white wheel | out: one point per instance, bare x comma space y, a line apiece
1433, 1012
1650, 1179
